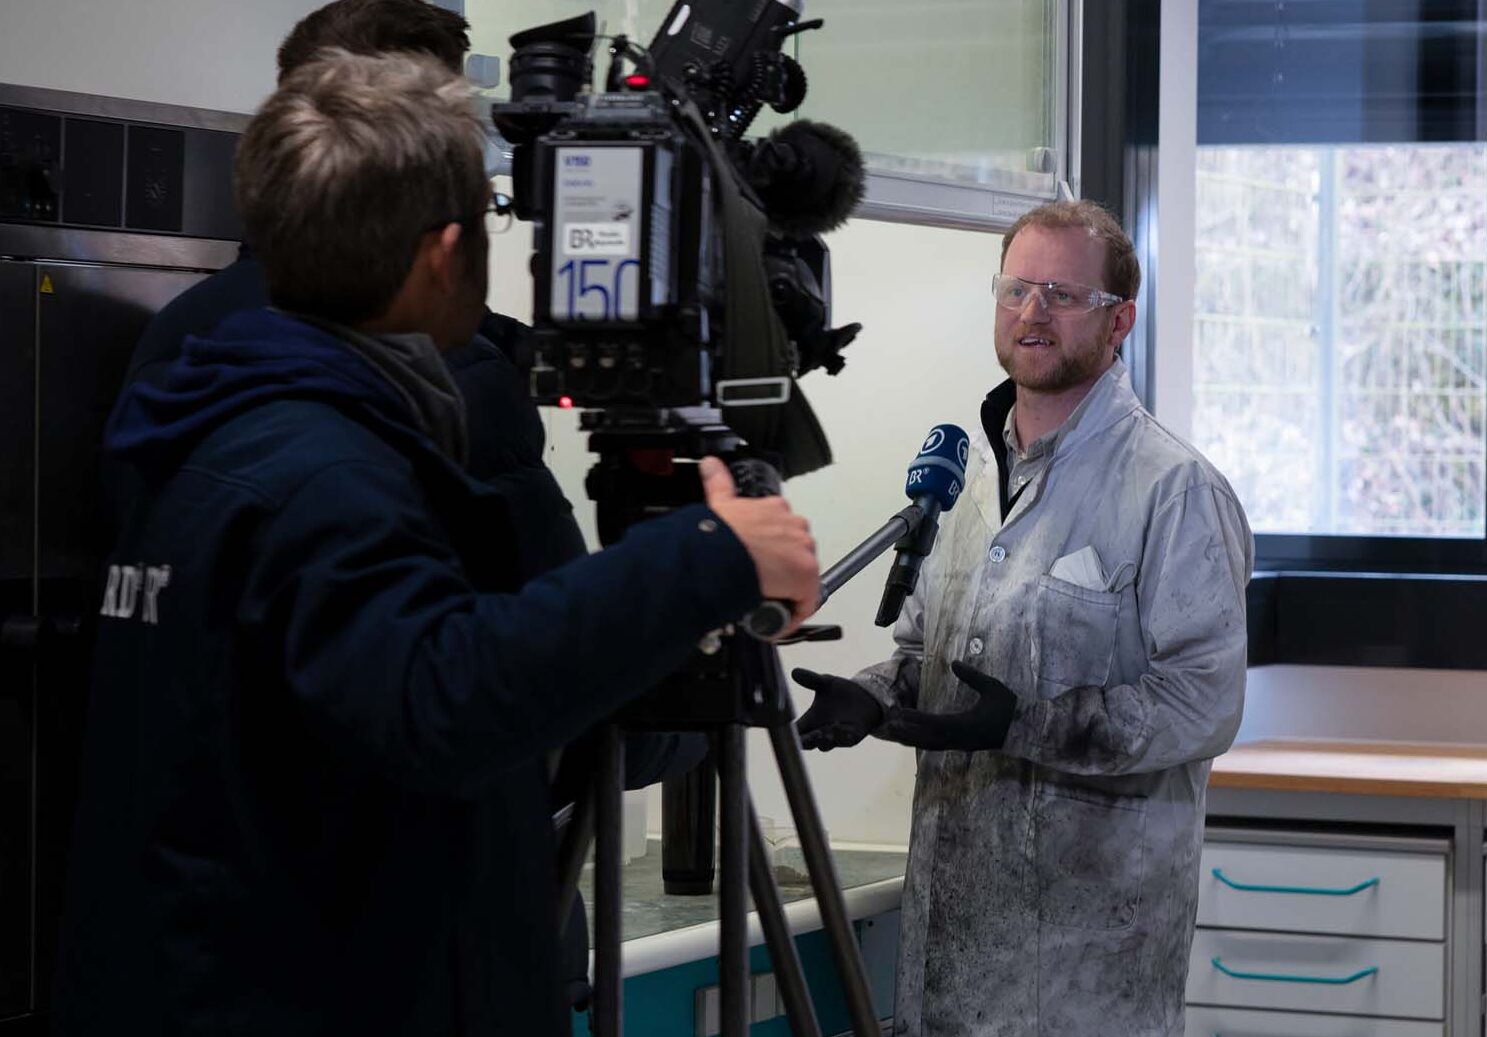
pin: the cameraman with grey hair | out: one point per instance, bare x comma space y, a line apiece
314, 798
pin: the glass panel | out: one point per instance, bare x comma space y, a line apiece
1340, 308
1341, 335
988, 107
985, 109
1338, 71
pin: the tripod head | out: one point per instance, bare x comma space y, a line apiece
646, 466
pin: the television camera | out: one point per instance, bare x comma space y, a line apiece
677, 264
681, 287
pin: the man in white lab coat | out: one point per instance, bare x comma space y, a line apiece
1072, 659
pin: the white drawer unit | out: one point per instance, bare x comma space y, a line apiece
1238, 1022
1399, 978
1305, 889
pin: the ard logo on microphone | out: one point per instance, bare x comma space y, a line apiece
933, 442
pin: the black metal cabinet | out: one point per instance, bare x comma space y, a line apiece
108, 210
17, 605
66, 333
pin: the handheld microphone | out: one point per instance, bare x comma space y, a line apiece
935, 480
809, 177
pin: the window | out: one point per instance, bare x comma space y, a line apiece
1340, 299
1340, 324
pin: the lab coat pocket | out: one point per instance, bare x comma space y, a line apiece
1073, 634
1091, 858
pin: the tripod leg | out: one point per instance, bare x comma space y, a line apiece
608, 897
578, 836
798, 1007
823, 878
733, 944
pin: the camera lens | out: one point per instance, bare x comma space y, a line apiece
549, 72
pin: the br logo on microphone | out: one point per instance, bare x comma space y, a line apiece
939, 470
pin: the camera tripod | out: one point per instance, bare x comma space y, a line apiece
734, 682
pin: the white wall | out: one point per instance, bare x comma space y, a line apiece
1357, 702
216, 54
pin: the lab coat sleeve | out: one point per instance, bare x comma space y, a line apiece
895, 681
1187, 705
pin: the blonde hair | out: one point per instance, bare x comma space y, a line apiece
1122, 268
344, 169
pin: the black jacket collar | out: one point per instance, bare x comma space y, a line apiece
994, 411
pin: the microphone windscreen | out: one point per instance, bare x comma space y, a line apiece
940, 469
810, 176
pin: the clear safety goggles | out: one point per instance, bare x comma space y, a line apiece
1064, 297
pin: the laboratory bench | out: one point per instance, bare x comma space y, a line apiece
669, 955
1341, 892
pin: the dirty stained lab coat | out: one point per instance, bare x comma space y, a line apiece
1052, 886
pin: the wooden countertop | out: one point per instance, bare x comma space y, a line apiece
1434, 770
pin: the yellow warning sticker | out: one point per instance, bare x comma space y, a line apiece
46, 285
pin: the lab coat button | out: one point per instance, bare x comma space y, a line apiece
977, 645
998, 554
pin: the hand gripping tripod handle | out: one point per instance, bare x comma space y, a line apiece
756, 478
768, 619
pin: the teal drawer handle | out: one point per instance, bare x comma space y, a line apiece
1246, 887
1269, 977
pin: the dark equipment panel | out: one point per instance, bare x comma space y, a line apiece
108, 210
76, 171
65, 340
30, 160
87, 328
17, 596
156, 172
93, 180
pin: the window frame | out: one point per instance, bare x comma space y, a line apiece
993, 207
1407, 602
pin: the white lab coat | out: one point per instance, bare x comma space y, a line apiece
1052, 886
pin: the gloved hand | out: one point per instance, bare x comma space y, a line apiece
983, 726
843, 714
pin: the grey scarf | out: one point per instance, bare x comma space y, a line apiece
415, 368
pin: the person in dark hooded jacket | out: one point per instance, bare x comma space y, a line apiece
314, 794
504, 434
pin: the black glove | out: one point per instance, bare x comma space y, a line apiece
843, 714
983, 726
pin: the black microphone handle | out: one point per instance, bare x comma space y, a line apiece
912, 550
860, 557
773, 616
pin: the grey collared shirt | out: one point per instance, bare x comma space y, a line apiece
1027, 466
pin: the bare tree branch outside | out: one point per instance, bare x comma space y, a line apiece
1341, 335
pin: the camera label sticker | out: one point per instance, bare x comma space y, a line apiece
597, 197
596, 239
